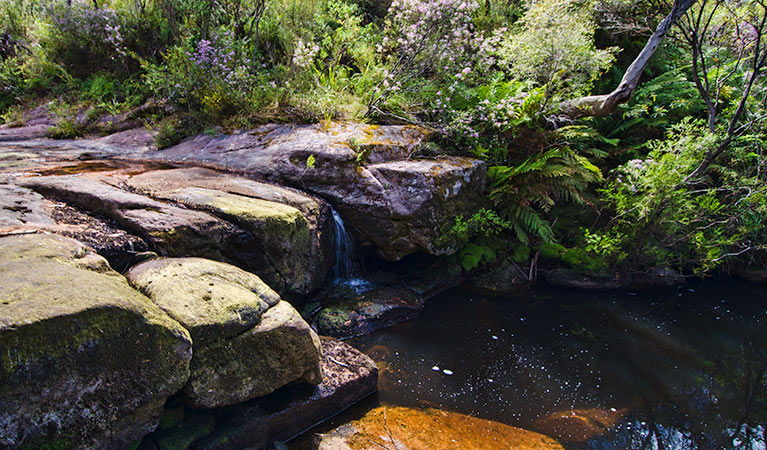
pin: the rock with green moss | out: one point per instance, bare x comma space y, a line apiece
247, 342
393, 200
169, 229
368, 311
292, 230
86, 361
281, 234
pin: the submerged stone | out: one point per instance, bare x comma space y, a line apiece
369, 311
247, 342
579, 425
85, 360
426, 429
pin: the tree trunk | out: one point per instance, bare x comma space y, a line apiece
602, 105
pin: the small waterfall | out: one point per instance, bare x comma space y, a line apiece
347, 270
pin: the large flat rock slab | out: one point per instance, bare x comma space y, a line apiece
399, 204
87, 361
289, 249
292, 230
247, 342
171, 230
396, 201
426, 429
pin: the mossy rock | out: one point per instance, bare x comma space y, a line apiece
369, 311
281, 233
86, 361
247, 342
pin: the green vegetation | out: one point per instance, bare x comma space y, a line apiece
667, 171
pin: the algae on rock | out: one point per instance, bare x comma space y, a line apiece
101, 356
247, 342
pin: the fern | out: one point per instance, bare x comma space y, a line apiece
528, 190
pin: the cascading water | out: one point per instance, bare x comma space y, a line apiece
347, 270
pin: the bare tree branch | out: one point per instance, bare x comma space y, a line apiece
602, 105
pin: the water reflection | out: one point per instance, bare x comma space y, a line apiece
673, 369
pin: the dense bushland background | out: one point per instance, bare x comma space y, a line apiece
675, 177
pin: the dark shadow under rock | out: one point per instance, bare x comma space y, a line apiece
349, 376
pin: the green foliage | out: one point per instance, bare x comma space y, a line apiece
170, 132
12, 82
577, 258
66, 128
660, 220
524, 191
556, 48
82, 39
482, 224
472, 255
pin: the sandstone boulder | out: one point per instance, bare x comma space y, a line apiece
425, 429
292, 230
87, 361
348, 377
398, 203
247, 342
291, 250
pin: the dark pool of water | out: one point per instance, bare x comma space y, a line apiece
687, 365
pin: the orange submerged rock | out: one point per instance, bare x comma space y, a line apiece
579, 425
399, 428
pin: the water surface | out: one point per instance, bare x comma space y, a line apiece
674, 369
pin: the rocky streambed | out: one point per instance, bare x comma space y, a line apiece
147, 293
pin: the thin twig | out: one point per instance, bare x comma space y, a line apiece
338, 362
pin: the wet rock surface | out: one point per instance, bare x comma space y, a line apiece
425, 429
100, 356
350, 314
246, 341
348, 376
579, 425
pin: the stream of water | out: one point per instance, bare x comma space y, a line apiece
670, 369
347, 270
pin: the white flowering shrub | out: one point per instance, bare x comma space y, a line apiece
428, 38
304, 54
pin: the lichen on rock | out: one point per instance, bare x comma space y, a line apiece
247, 341
100, 355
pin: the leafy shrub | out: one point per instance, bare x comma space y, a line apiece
556, 48
209, 78
170, 132
83, 39
66, 128
12, 82
660, 220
